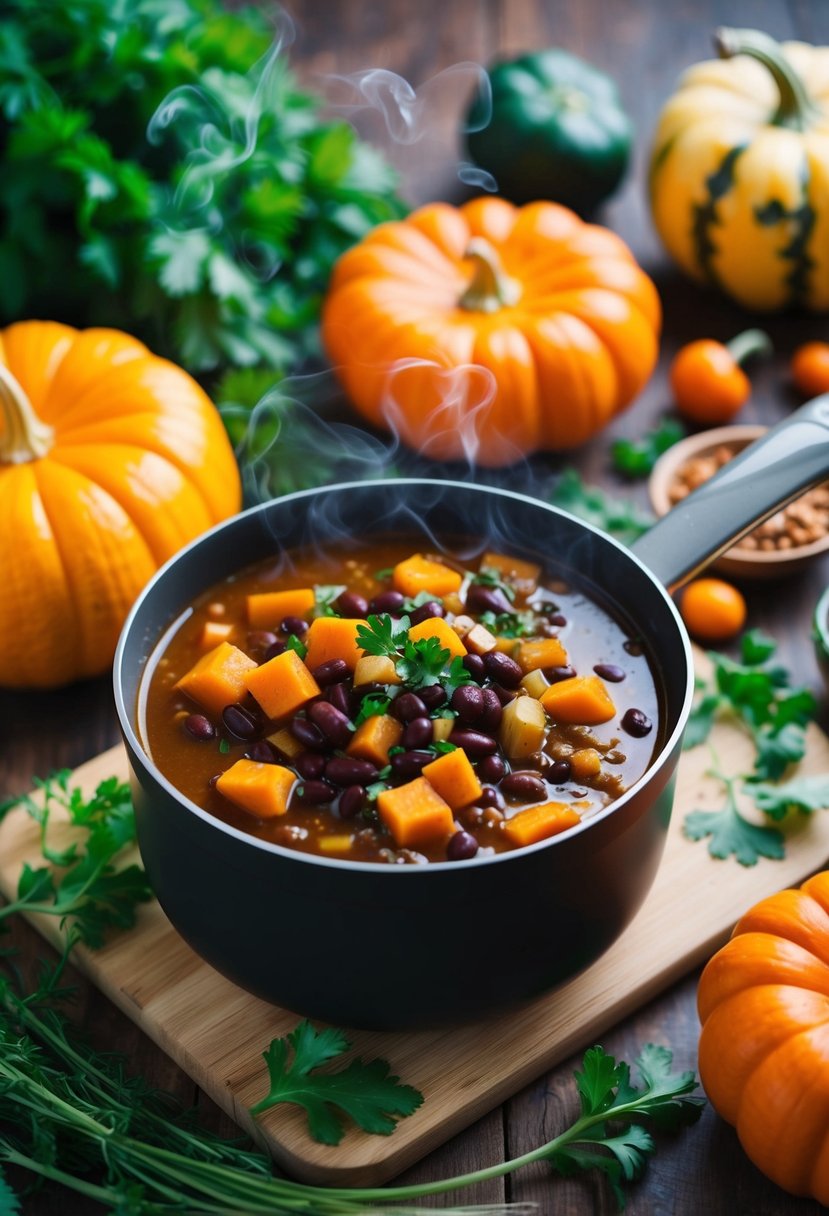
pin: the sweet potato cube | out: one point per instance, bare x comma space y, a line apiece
454, 778
538, 822
581, 700
336, 845
288, 746
415, 814
268, 608
213, 634
523, 724
522, 575
418, 573
376, 669
261, 789
219, 678
282, 684
585, 763
373, 738
437, 627
333, 637
545, 652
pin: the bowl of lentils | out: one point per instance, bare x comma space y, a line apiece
781, 545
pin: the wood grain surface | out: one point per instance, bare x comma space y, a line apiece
644, 45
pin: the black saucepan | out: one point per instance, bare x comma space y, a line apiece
394, 947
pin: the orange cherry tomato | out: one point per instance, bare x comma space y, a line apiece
712, 609
707, 380
810, 368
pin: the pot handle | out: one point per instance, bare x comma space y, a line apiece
790, 458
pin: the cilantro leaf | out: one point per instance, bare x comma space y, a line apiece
422, 662
621, 519
380, 635
371, 706
805, 794
732, 834
636, 457
365, 1092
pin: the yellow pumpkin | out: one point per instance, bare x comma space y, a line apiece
110, 460
739, 176
489, 331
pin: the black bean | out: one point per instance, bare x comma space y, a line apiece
504, 695
310, 765
308, 734
556, 674
474, 742
432, 695
468, 703
418, 733
239, 721
489, 796
387, 601
351, 604
559, 772
274, 649
461, 847
293, 625
557, 618
261, 752
408, 706
199, 727
490, 719
637, 723
523, 786
431, 608
211, 781
315, 793
340, 697
331, 672
331, 721
344, 770
480, 598
491, 769
474, 664
352, 800
502, 669
407, 765
609, 672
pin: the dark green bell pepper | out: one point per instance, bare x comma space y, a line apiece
557, 130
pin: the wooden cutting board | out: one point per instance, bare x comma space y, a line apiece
217, 1032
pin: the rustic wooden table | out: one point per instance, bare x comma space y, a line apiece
644, 44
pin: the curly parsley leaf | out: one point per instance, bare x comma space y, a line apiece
636, 457
729, 833
81, 885
383, 635
366, 1093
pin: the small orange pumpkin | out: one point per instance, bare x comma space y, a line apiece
491, 331
763, 1001
110, 460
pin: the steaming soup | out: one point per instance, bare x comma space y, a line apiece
398, 706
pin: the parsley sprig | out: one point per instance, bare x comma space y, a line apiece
418, 663
81, 885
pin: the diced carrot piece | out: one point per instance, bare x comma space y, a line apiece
538, 822
268, 608
418, 573
373, 738
282, 684
582, 700
213, 634
437, 627
545, 652
219, 677
454, 778
415, 814
261, 789
333, 637
522, 575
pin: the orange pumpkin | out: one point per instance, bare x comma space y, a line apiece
491, 331
764, 1049
110, 460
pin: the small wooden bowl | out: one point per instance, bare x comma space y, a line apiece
737, 563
